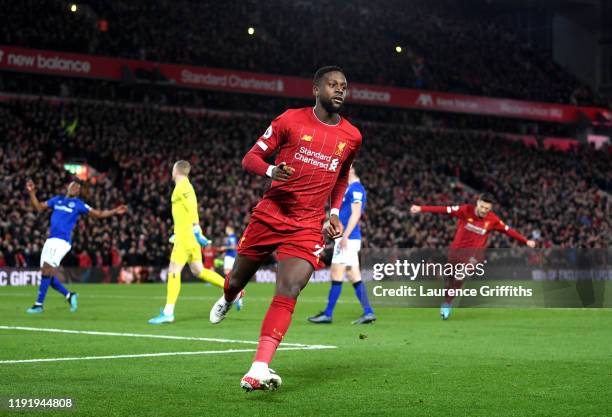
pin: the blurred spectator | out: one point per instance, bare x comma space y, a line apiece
558, 197
444, 47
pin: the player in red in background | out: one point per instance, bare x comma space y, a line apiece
473, 227
209, 254
315, 150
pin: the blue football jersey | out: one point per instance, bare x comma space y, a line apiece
231, 240
355, 193
66, 212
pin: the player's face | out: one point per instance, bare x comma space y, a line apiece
483, 208
174, 172
331, 91
74, 189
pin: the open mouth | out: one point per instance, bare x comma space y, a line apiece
337, 100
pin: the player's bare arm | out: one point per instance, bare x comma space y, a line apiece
352, 223
33, 199
103, 214
414, 209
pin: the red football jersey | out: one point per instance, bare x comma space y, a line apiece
473, 231
321, 155
209, 253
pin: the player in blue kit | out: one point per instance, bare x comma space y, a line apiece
66, 212
230, 244
346, 254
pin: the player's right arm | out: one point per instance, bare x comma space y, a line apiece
255, 159
34, 200
453, 211
103, 214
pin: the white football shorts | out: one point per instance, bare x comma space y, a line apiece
54, 251
350, 255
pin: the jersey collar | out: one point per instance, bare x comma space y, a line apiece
323, 123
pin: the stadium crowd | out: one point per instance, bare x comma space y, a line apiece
444, 47
163, 95
556, 197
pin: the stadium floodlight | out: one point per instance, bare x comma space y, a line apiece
251, 31
398, 49
73, 8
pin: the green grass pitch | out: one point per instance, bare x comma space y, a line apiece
482, 362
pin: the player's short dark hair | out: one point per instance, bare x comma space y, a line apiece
487, 198
324, 70
356, 166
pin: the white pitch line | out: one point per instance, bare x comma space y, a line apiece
154, 336
163, 297
148, 355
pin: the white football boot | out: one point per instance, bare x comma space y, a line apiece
221, 307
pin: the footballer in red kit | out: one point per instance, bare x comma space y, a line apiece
474, 223
314, 148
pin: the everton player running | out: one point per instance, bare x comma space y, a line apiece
66, 211
316, 148
473, 227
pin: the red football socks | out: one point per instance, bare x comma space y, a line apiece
274, 326
230, 296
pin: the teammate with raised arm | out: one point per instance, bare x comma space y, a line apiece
474, 223
316, 148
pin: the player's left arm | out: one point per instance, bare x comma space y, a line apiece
103, 214
190, 203
335, 228
352, 222
507, 230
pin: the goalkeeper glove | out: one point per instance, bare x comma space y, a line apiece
202, 240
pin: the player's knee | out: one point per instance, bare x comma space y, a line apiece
195, 269
354, 276
174, 268
289, 290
